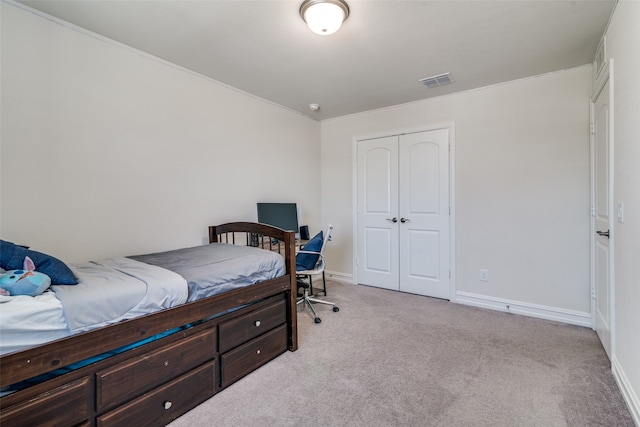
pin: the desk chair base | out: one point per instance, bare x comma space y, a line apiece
306, 300
310, 279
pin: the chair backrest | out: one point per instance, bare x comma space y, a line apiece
327, 237
311, 261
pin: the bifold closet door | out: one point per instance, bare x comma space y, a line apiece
377, 213
403, 213
424, 213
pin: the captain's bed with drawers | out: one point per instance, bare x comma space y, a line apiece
143, 339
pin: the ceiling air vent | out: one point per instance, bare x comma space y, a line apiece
439, 80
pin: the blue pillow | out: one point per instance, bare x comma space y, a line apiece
308, 261
12, 258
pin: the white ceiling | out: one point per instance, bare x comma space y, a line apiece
375, 60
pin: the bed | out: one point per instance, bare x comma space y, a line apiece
172, 347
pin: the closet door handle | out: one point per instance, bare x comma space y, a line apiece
603, 233
394, 219
403, 220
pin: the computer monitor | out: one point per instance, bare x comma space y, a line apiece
281, 215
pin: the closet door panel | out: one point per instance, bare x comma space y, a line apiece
424, 254
421, 177
424, 213
377, 207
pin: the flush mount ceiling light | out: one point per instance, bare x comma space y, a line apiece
324, 17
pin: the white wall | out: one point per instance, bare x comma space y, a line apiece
108, 151
623, 45
521, 186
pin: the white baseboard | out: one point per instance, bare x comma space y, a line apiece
629, 395
340, 277
526, 309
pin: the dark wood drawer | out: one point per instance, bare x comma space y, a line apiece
63, 406
129, 379
248, 326
166, 403
240, 361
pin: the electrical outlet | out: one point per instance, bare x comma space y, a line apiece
484, 275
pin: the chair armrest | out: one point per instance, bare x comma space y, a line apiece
308, 252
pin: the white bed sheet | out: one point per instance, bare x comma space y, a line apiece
29, 321
108, 291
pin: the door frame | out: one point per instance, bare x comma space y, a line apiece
452, 211
605, 75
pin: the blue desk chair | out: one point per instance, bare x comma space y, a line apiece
309, 262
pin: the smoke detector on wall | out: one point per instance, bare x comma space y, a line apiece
439, 80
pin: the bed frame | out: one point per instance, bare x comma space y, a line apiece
154, 383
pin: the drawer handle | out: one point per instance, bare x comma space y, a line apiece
257, 323
168, 404
166, 363
258, 352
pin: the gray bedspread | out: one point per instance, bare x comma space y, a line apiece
218, 267
116, 289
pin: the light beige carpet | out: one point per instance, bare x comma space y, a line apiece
394, 359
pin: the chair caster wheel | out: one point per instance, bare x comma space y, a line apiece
336, 309
317, 320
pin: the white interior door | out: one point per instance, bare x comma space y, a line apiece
602, 218
378, 212
424, 213
403, 213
